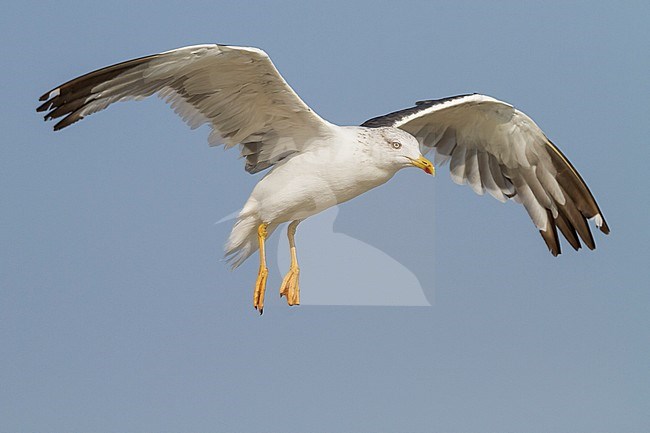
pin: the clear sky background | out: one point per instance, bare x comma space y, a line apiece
117, 315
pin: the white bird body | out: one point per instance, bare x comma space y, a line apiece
328, 172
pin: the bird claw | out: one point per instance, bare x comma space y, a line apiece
260, 289
290, 288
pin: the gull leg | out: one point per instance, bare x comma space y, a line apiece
289, 287
260, 284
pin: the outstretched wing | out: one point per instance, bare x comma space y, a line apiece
237, 90
493, 147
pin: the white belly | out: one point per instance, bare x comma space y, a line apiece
310, 183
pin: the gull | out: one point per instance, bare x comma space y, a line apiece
312, 164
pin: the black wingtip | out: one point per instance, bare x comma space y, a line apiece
604, 228
552, 241
550, 235
48, 95
43, 107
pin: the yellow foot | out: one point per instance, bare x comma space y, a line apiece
260, 289
290, 288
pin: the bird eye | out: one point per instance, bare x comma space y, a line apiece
396, 145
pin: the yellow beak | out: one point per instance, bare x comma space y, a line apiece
424, 164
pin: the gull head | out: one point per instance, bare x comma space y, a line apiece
397, 149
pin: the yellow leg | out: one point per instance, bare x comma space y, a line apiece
289, 287
260, 284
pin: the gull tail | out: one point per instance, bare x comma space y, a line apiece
243, 238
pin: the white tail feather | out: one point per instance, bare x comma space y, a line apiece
243, 239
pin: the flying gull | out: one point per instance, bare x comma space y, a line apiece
313, 164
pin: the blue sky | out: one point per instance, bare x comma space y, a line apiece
117, 313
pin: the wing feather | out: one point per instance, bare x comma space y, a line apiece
445, 146
495, 147
236, 90
488, 178
550, 235
568, 230
457, 165
507, 188
472, 172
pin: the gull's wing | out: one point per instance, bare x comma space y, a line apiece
237, 90
495, 147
